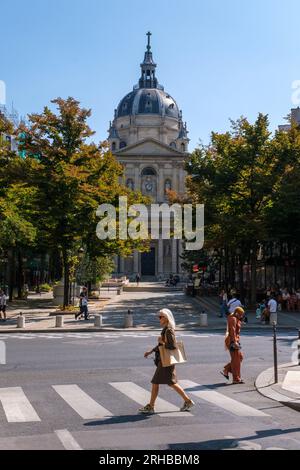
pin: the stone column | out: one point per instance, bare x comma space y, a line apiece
182, 180
136, 267
174, 256
161, 185
122, 265
116, 261
137, 185
160, 255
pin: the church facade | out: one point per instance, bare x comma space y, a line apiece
150, 140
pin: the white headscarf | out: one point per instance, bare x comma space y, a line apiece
165, 312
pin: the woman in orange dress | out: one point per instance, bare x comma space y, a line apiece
232, 343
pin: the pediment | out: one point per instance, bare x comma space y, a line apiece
149, 147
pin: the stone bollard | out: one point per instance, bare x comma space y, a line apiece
203, 319
21, 321
98, 321
59, 321
128, 320
273, 318
119, 291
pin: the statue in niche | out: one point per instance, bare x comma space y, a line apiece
168, 186
130, 184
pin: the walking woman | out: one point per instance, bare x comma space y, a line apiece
165, 375
232, 343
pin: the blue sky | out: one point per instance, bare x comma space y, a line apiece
218, 59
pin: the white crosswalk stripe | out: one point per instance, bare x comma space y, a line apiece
220, 400
82, 403
16, 406
142, 397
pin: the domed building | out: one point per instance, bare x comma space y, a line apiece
148, 137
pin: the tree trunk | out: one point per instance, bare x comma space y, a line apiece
11, 275
253, 278
20, 274
241, 281
66, 279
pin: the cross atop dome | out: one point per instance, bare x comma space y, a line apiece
149, 36
148, 79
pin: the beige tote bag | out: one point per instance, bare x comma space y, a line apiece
169, 357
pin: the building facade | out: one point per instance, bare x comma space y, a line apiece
149, 138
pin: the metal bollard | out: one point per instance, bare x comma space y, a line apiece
98, 321
21, 321
203, 319
275, 353
128, 320
59, 321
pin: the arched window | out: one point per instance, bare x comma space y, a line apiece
173, 145
183, 147
113, 146
148, 171
122, 144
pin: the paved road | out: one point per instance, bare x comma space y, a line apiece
82, 391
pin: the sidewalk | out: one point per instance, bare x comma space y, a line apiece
210, 305
287, 390
40, 313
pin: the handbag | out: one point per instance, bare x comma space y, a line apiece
169, 357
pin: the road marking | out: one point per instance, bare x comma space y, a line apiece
142, 397
17, 406
292, 381
67, 439
82, 403
220, 400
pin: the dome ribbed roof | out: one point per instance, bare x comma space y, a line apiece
148, 101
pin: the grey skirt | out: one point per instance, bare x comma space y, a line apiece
164, 375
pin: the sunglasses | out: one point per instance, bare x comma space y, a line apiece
160, 317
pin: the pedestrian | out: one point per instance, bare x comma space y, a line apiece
232, 344
165, 375
233, 303
83, 304
137, 279
223, 303
3, 300
272, 306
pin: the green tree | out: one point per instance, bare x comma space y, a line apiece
235, 178
72, 176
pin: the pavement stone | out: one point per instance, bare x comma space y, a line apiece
40, 313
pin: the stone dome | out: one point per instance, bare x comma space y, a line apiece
148, 101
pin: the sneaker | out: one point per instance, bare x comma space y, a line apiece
147, 410
187, 405
239, 382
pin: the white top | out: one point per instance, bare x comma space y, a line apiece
3, 300
272, 304
233, 304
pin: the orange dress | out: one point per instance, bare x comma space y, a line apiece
233, 336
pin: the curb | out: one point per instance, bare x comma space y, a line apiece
264, 384
205, 329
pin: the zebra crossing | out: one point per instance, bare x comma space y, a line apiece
17, 408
